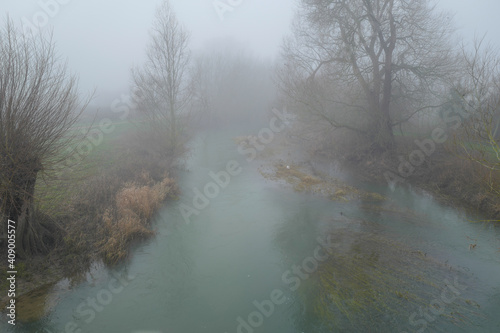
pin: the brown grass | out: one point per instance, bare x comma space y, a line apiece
128, 219
114, 208
466, 182
103, 206
302, 181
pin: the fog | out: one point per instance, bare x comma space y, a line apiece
251, 166
102, 39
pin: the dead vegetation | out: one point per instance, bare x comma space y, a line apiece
129, 217
451, 178
108, 207
114, 208
303, 181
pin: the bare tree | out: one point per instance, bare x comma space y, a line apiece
366, 65
208, 77
228, 71
163, 81
479, 93
38, 104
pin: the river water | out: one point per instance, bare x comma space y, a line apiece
258, 258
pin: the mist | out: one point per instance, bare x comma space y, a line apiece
249, 166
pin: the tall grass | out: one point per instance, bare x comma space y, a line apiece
128, 218
113, 207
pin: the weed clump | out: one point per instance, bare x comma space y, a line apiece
129, 217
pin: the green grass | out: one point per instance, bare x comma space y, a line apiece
52, 195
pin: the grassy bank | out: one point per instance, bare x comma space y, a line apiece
101, 206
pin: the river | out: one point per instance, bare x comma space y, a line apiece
256, 259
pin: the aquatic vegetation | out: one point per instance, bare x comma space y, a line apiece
302, 181
371, 283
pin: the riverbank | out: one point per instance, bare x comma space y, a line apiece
101, 207
451, 179
390, 259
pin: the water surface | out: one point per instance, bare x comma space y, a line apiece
208, 275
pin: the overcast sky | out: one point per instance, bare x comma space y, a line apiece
102, 39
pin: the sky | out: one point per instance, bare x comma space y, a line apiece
102, 39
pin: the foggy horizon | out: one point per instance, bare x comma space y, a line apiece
112, 36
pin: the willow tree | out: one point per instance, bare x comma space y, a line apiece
365, 65
163, 82
38, 104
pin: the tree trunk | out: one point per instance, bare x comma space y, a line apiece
381, 133
173, 129
32, 235
385, 136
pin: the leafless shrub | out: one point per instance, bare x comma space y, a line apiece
479, 93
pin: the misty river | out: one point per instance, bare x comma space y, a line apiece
255, 259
